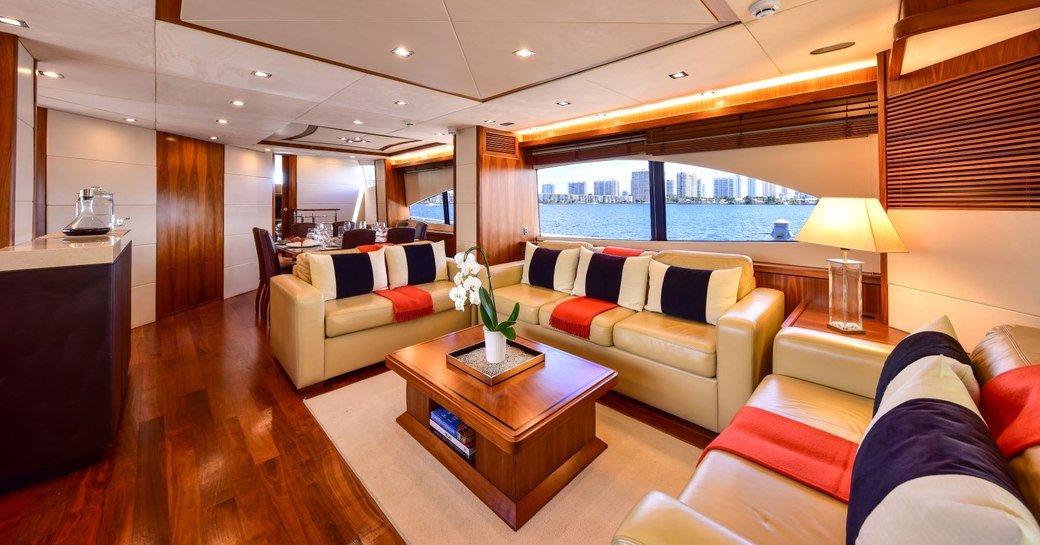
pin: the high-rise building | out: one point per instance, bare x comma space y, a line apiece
700, 189
605, 187
641, 186
686, 185
725, 187
548, 189
751, 189
669, 188
768, 190
576, 188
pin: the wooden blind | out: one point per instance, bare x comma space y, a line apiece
502, 144
971, 142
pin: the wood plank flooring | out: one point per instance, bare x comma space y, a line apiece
216, 447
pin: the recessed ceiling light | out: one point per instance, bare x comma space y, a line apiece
401, 102
222, 121
507, 123
130, 120
49, 74
601, 115
563, 103
439, 134
14, 22
212, 137
343, 138
524, 52
678, 75
402, 51
261, 74
238, 103
358, 122
353, 156
489, 121
267, 149
830, 48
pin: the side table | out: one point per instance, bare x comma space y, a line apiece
808, 316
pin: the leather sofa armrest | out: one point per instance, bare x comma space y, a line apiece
505, 274
659, 519
298, 329
744, 348
836, 361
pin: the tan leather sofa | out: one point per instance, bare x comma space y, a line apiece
315, 340
820, 379
699, 372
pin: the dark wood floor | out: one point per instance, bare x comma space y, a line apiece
217, 447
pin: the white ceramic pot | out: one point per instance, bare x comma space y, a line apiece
495, 346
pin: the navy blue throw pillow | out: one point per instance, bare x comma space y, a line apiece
353, 274
422, 267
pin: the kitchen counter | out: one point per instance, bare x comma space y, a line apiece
60, 250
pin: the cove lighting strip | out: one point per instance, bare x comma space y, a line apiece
446, 150
707, 95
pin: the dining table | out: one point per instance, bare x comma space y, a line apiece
333, 244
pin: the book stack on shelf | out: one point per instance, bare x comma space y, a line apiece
459, 436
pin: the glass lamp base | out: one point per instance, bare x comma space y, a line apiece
845, 282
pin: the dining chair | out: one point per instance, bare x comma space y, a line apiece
269, 265
345, 224
358, 237
300, 229
400, 235
420, 230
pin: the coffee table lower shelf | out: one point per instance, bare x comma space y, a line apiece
528, 478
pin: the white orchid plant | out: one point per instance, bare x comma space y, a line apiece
469, 288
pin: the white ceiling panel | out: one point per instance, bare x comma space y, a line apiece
313, 10
328, 115
740, 7
376, 94
427, 132
101, 107
579, 11
717, 59
438, 61
489, 48
216, 99
790, 35
206, 57
98, 79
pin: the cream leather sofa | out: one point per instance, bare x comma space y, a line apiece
823, 380
699, 372
315, 340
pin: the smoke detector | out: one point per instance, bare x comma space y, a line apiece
764, 8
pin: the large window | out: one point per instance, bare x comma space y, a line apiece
641, 200
435, 209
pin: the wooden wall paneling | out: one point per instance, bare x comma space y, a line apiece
8, 142
40, 182
189, 223
506, 202
882, 94
810, 284
288, 194
396, 200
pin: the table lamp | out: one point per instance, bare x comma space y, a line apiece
849, 224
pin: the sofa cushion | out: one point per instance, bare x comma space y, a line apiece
928, 468
694, 294
601, 331
416, 263
531, 298
617, 279
675, 342
345, 275
439, 292
357, 313
302, 268
551, 269
712, 261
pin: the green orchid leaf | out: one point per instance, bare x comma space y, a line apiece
487, 305
502, 326
515, 314
510, 333
486, 320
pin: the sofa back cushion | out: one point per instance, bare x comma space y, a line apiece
416, 263
348, 274
694, 294
548, 268
713, 261
563, 244
927, 470
302, 268
617, 279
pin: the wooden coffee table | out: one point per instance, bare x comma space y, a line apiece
534, 432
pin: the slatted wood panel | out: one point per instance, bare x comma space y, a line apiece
189, 260
507, 202
500, 144
971, 142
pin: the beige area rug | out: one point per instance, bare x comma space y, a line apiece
428, 505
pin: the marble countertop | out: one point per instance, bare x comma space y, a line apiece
59, 250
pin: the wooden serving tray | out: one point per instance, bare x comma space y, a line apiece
535, 358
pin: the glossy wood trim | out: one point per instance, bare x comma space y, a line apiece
918, 19
808, 315
507, 202
811, 284
288, 194
40, 179
882, 101
8, 140
396, 198
854, 83
447, 157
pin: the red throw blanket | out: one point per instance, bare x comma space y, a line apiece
575, 316
409, 302
1010, 405
811, 456
365, 248
623, 252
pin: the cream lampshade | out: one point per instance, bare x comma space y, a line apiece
849, 224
